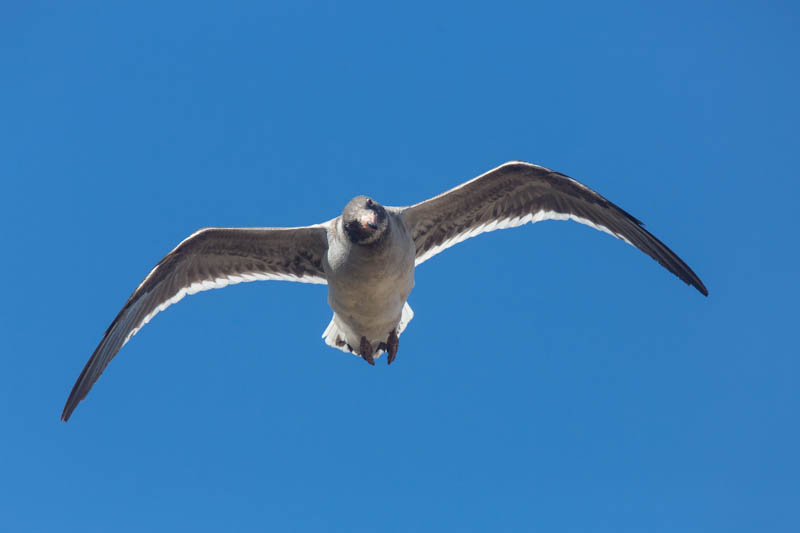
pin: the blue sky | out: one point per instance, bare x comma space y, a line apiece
553, 379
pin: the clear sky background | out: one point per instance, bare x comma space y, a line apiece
553, 379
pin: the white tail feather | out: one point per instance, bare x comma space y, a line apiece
333, 332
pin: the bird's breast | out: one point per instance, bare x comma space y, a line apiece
368, 285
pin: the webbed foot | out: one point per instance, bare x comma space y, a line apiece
392, 344
366, 351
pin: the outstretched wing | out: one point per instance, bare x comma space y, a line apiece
516, 193
210, 258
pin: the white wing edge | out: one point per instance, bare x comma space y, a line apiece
206, 285
513, 222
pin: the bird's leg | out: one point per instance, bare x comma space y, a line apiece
392, 344
365, 351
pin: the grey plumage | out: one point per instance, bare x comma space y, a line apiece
516, 190
209, 258
367, 256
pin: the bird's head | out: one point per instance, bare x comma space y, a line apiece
364, 220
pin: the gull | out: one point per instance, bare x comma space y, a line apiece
367, 257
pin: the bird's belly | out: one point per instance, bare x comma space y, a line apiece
371, 305
367, 294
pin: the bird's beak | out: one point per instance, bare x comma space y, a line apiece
369, 221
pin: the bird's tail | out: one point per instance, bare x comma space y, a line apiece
335, 337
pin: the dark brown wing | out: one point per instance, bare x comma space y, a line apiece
211, 258
517, 193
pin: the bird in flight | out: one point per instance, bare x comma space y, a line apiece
367, 257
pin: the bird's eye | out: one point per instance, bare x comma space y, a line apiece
369, 203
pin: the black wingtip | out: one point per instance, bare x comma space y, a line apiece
688, 276
700, 287
68, 409
77, 394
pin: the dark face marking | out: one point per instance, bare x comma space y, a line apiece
365, 221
